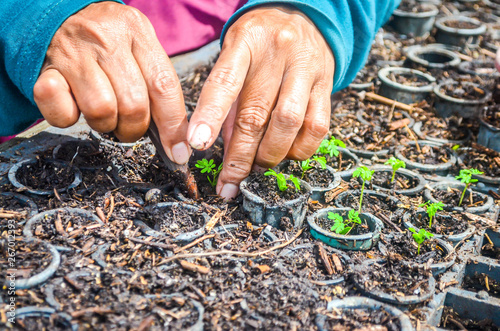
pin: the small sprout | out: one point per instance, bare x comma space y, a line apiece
395, 164
330, 147
282, 181
209, 168
341, 226
455, 147
465, 177
366, 175
432, 209
420, 237
306, 165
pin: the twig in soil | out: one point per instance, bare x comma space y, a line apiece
100, 214
169, 247
489, 239
57, 195
146, 323
464, 57
59, 226
214, 220
194, 267
194, 243
111, 207
91, 310
386, 220
228, 252
326, 260
457, 323
10, 214
410, 132
387, 101
488, 53
391, 113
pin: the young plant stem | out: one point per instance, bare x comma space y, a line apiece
463, 194
361, 197
393, 176
430, 222
418, 249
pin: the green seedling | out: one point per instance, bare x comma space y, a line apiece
307, 164
330, 147
209, 168
420, 237
455, 147
432, 209
366, 175
396, 164
465, 177
341, 226
282, 181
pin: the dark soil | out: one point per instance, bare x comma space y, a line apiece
489, 163
345, 163
401, 182
316, 176
393, 278
492, 115
450, 320
451, 128
30, 259
402, 247
413, 7
481, 282
447, 225
408, 79
429, 154
326, 224
364, 76
457, 24
53, 323
45, 175
382, 116
82, 154
371, 204
11, 206
267, 188
361, 319
174, 220
490, 251
461, 91
452, 198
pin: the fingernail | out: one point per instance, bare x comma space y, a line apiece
258, 168
180, 153
229, 191
201, 136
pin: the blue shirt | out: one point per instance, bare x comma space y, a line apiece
348, 26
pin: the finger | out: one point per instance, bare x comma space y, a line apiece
218, 94
227, 127
497, 60
131, 94
94, 95
316, 125
257, 99
54, 100
286, 119
166, 100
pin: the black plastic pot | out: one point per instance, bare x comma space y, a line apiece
432, 56
348, 155
47, 312
16, 167
349, 242
483, 69
436, 268
489, 135
404, 93
25, 202
445, 185
42, 277
438, 169
261, 212
454, 238
481, 178
457, 36
78, 159
340, 200
403, 172
417, 128
365, 304
368, 154
447, 106
107, 142
392, 298
361, 119
415, 24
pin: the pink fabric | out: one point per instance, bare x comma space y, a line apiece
4, 139
185, 25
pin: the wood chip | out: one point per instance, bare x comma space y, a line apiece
194, 267
262, 268
399, 124
326, 260
337, 263
100, 214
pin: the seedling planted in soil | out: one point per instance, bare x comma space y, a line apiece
330, 147
341, 226
209, 168
395, 164
465, 177
432, 209
420, 237
282, 181
306, 165
366, 175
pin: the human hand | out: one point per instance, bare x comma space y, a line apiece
269, 91
106, 62
497, 60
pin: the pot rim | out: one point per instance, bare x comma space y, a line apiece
405, 172
417, 129
384, 72
413, 53
480, 29
425, 14
486, 124
446, 97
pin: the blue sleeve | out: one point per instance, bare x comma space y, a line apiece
25, 34
349, 27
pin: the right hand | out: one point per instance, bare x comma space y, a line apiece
106, 62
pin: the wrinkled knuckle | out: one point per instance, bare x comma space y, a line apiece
251, 120
317, 128
133, 111
224, 77
164, 82
290, 115
299, 154
286, 36
44, 89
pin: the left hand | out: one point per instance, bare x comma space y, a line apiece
269, 91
